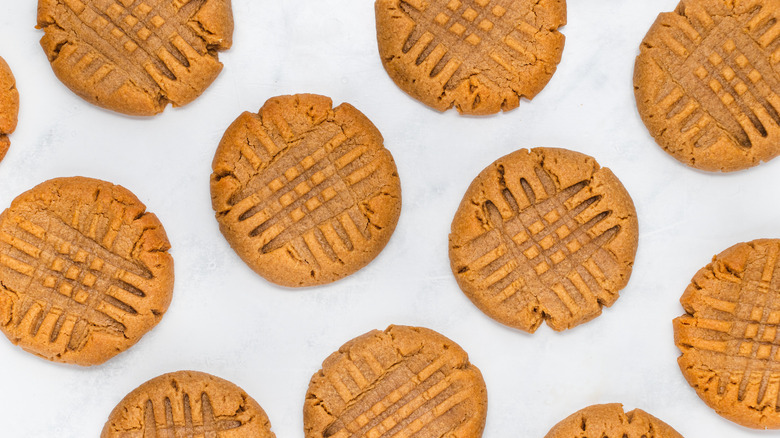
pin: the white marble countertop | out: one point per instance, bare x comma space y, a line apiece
227, 321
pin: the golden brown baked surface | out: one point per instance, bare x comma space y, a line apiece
305, 193
544, 235
187, 404
84, 270
401, 382
9, 106
609, 421
480, 56
707, 83
728, 336
136, 57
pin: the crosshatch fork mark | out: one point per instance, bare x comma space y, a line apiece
546, 246
460, 26
723, 79
313, 200
208, 426
73, 280
741, 320
144, 38
410, 395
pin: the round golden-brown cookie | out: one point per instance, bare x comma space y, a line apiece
729, 335
9, 106
84, 270
480, 56
401, 382
610, 421
305, 193
707, 83
136, 57
545, 234
187, 404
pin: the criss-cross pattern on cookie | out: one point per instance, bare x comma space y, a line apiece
735, 329
309, 195
136, 56
67, 282
721, 81
465, 33
551, 249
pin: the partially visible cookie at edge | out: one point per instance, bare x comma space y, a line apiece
84, 270
707, 83
136, 57
544, 235
403, 381
188, 403
9, 106
480, 56
305, 193
609, 420
728, 337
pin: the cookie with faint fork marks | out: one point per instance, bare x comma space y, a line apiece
187, 404
84, 270
707, 83
480, 56
305, 193
402, 382
729, 334
610, 421
136, 56
9, 106
545, 234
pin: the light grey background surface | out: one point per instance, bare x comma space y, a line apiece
227, 321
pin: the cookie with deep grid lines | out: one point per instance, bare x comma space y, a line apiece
405, 381
136, 56
610, 421
545, 234
9, 106
187, 404
305, 193
84, 270
729, 335
480, 56
707, 83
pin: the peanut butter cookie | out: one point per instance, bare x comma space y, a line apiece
729, 334
480, 56
9, 106
84, 270
187, 404
136, 57
401, 382
707, 83
545, 234
305, 193
609, 421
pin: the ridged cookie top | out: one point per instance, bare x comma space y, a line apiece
405, 381
9, 106
480, 56
610, 421
305, 193
729, 336
707, 82
544, 234
187, 404
84, 270
135, 57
